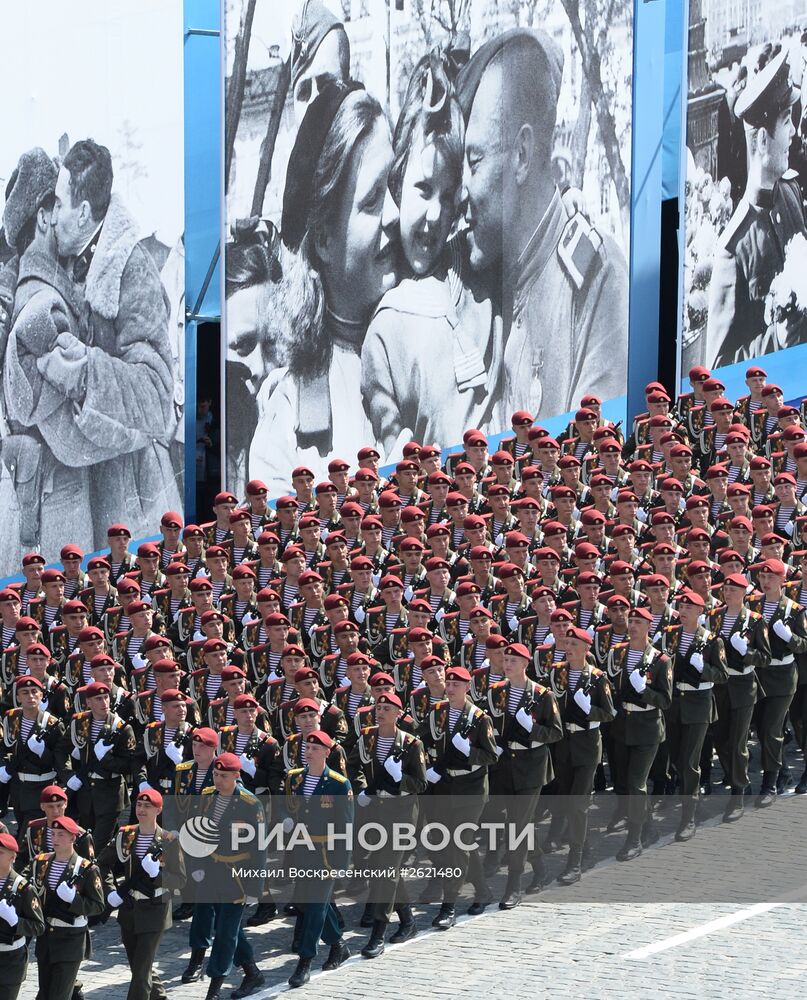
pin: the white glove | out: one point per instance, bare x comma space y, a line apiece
524, 720
499, 751
614, 494
499, 539
8, 913
36, 744
638, 682
359, 614
394, 768
101, 749
138, 662
550, 639
249, 619
66, 892
198, 635
363, 798
513, 623
114, 900
590, 630
583, 700
143, 786
198, 875
641, 515
409, 593
173, 752
697, 662
740, 644
376, 578
462, 743
150, 865
146, 599
288, 824
439, 614
75, 753
5, 775
432, 776
323, 534
783, 631
74, 783
247, 764
788, 529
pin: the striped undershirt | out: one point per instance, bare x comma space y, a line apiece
383, 747
55, 872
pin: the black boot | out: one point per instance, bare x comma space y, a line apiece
375, 946
538, 879
183, 912
617, 822
572, 873
214, 989
801, 788
407, 928
588, 860
735, 807
686, 831
367, 916
783, 780
78, 992
632, 847
483, 897
512, 892
266, 911
650, 834
251, 983
301, 974
297, 936
337, 956
446, 918
194, 970
767, 794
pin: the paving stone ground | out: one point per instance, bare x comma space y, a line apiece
567, 943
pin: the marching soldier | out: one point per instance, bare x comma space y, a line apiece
388, 768
165, 744
70, 892
526, 720
220, 897
318, 918
583, 694
699, 662
100, 745
140, 868
33, 754
642, 681
191, 778
745, 638
460, 746
21, 918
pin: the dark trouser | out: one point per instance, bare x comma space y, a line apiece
141, 948
461, 809
772, 712
575, 785
633, 764
662, 769
13, 968
318, 920
220, 924
685, 741
56, 979
798, 716
730, 733
389, 892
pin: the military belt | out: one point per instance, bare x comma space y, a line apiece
14, 946
458, 773
785, 662
572, 727
102, 777
137, 894
56, 922
381, 794
683, 686
47, 776
739, 673
631, 707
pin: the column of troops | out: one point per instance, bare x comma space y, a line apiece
560, 615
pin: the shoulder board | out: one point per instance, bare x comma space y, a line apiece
129, 826
540, 689
208, 791
620, 645
13, 712
338, 777
296, 770
44, 856
498, 685
246, 795
439, 705
154, 725
754, 614
184, 766
596, 672
82, 715
51, 719
85, 862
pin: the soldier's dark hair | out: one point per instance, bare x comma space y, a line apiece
26, 235
90, 168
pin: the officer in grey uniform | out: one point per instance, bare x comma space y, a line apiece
751, 250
